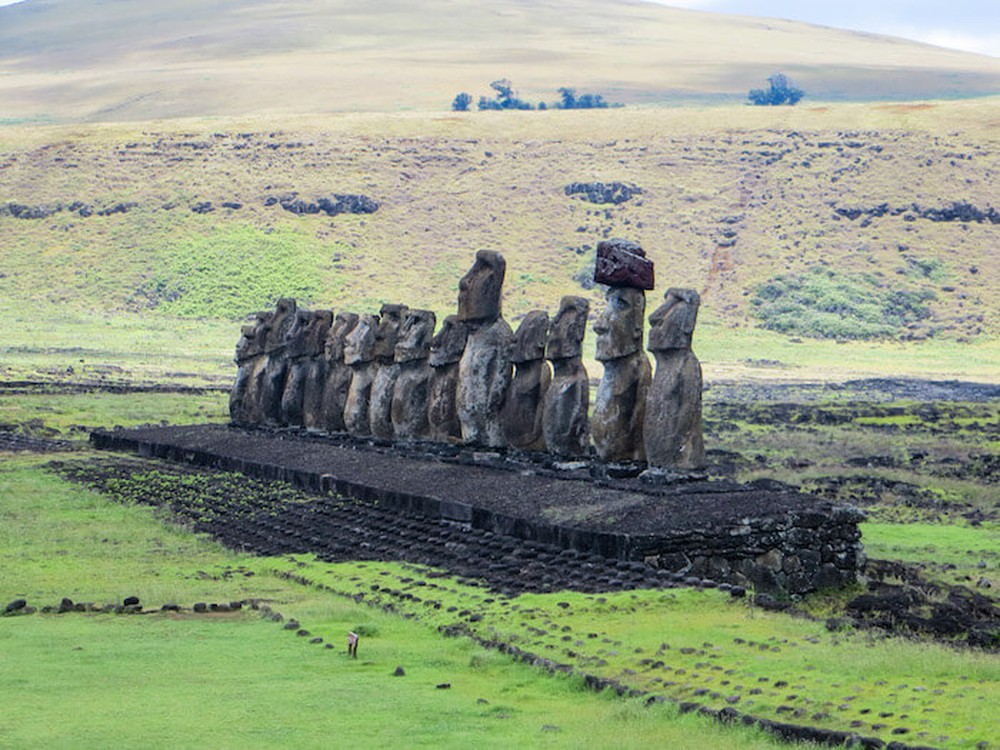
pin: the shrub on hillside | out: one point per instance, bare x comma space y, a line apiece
823, 303
504, 98
461, 102
781, 91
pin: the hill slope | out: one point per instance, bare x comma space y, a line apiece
116, 59
889, 223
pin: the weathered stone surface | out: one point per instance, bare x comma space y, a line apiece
623, 263
271, 383
249, 356
304, 377
567, 399
338, 374
315, 371
484, 375
359, 354
672, 430
484, 372
620, 402
445, 354
480, 289
384, 382
412, 389
523, 406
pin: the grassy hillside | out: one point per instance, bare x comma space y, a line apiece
884, 216
106, 61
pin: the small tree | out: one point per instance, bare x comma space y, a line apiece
461, 102
568, 97
781, 92
505, 97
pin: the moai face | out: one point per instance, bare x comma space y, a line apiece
282, 321
672, 324
252, 341
619, 326
415, 336
359, 345
343, 324
479, 290
296, 333
567, 330
529, 341
390, 321
317, 332
449, 343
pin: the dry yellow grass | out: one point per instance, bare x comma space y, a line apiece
90, 61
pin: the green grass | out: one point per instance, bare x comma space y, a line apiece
74, 416
236, 680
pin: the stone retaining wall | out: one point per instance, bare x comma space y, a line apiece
786, 553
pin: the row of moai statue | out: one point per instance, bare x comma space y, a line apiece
479, 383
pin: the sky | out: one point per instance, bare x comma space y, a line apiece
972, 25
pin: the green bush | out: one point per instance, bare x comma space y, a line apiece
823, 303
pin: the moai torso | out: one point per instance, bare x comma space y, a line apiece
338, 374
484, 371
272, 375
620, 402
445, 354
412, 389
672, 429
565, 421
249, 357
302, 352
522, 409
315, 370
384, 382
359, 352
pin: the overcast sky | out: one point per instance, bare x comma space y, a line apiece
972, 25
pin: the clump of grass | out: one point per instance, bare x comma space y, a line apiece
823, 303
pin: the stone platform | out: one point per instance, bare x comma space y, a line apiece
763, 534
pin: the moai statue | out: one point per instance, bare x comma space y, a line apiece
672, 428
565, 423
300, 403
484, 371
359, 355
620, 403
249, 357
412, 389
338, 374
446, 353
522, 409
380, 411
271, 384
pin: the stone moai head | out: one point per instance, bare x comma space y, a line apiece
620, 325
529, 341
479, 290
568, 328
672, 324
343, 324
296, 334
415, 336
390, 322
359, 344
316, 332
282, 320
449, 343
253, 337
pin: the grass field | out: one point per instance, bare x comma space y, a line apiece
236, 679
